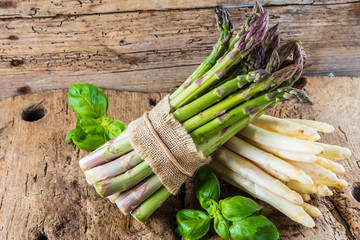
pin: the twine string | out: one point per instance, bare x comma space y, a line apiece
163, 146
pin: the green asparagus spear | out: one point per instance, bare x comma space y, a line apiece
217, 94
257, 11
124, 181
264, 82
219, 138
144, 211
232, 116
242, 48
225, 26
113, 168
138, 194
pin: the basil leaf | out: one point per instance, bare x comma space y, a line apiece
238, 207
192, 224
256, 227
87, 100
221, 226
77, 131
89, 142
206, 184
105, 121
209, 205
92, 126
114, 129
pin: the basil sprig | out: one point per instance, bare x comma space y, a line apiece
233, 216
92, 128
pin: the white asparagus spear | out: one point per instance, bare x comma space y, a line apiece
250, 171
113, 197
278, 141
300, 157
312, 210
283, 126
291, 210
306, 197
319, 126
274, 173
319, 189
311, 138
334, 152
341, 183
315, 171
267, 160
332, 166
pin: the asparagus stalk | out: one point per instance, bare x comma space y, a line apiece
272, 39
246, 43
113, 168
225, 26
259, 85
219, 138
125, 181
254, 174
138, 194
144, 211
215, 141
235, 114
270, 139
293, 211
257, 11
216, 95
268, 160
110, 150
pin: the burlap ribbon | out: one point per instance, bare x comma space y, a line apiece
163, 143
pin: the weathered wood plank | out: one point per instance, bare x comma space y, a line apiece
156, 51
43, 8
43, 192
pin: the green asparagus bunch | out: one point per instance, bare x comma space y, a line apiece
236, 84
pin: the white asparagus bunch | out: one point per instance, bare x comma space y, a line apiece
279, 162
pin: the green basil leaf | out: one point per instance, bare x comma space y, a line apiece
256, 227
89, 142
221, 226
192, 224
209, 205
238, 207
115, 128
77, 131
92, 126
105, 121
87, 100
206, 184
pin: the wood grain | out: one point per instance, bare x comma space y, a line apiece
151, 51
43, 192
43, 8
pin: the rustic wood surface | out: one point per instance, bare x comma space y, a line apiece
43, 193
152, 46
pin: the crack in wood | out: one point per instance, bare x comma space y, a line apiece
342, 219
26, 183
342, 131
45, 168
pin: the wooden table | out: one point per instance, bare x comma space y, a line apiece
148, 48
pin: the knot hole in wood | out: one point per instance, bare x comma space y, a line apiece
356, 192
33, 113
